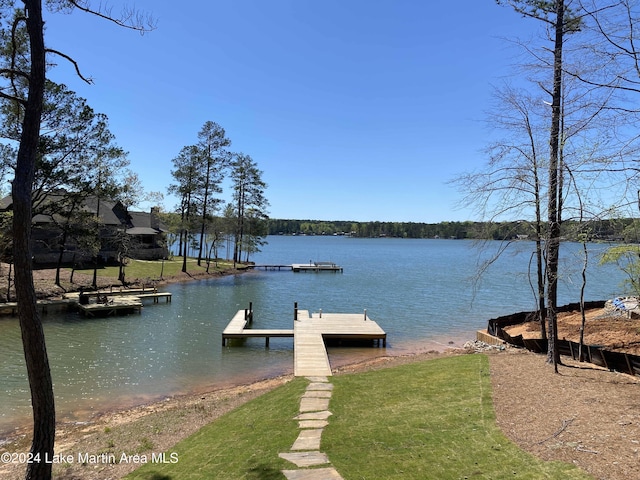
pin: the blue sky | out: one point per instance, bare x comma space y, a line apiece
354, 109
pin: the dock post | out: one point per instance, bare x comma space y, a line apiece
295, 311
320, 313
250, 312
365, 314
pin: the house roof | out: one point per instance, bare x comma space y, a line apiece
104, 209
146, 220
111, 213
6, 202
140, 219
142, 231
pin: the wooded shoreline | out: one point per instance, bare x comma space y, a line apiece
614, 230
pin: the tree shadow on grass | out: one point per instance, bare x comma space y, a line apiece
158, 476
264, 472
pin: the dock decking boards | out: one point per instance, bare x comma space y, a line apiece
309, 333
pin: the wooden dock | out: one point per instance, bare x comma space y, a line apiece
11, 308
270, 267
113, 306
237, 329
115, 301
316, 267
301, 267
155, 296
309, 333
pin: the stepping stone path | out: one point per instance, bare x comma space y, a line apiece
305, 451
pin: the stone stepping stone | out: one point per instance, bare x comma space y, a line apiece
312, 424
313, 404
318, 379
323, 415
306, 459
312, 474
308, 440
319, 386
317, 394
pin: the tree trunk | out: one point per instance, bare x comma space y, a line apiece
9, 281
184, 256
554, 209
63, 242
94, 282
33, 340
237, 247
582, 287
540, 275
204, 208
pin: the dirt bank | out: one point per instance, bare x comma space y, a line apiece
602, 327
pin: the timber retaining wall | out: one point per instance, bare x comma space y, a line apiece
596, 354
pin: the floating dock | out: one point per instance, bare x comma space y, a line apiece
309, 333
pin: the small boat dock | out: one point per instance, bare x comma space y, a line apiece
301, 267
111, 305
309, 333
115, 301
316, 267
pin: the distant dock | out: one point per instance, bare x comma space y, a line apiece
309, 333
301, 267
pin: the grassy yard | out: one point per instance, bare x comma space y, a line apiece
428, 420
157, 269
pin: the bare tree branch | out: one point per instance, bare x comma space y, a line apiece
129, 18
73, 62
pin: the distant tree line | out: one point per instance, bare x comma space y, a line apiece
625, 230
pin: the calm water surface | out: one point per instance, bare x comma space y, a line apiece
419, 291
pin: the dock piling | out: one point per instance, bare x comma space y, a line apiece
295, 311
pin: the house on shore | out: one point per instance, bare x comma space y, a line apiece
139, 235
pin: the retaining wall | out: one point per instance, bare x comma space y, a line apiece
596, 354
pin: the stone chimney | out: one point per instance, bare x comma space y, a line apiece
154, 218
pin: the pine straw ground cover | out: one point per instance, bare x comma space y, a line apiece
583, 415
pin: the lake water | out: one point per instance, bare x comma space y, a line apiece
419, 291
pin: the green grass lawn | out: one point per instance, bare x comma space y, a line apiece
157, 269
428, 420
